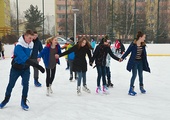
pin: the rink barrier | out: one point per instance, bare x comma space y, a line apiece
158, 54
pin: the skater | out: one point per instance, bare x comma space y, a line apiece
119, 48
93, 44
137, 62
99, 56
36, 49
2, 51
108, 72
0, 48
49, 52
71, 57
82, 48
20, 68
66, 57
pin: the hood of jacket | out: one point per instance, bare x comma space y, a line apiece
22, 42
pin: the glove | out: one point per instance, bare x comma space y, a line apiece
39, 67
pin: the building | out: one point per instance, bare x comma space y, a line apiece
60, 15
4, 17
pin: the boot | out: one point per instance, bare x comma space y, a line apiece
37, 84
78, 90
4, 102
76, 78
23, 103
131, 91
71, 77
142, 90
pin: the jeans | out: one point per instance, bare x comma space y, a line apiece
108, 74
101, 70
137, 67
14, 75
80, 76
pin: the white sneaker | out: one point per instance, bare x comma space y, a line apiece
78, 90
48, 91
86, 89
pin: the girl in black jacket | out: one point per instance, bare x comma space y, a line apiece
99, 56
80, 64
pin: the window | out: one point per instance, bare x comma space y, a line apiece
151, 9
61, 7
61, 15
151, 17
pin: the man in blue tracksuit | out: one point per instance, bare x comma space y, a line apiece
20, 67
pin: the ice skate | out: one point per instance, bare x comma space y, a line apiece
78, 90
4, 102
48, 91
105, 89
142, 90
86, 89
110, 85
23, 103
51, 91
37, 84
131, 91
98, 90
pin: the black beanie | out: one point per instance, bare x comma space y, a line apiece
72, 38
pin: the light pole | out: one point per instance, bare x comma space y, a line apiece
17, 20
75, 11
157, 33
43, 21
134, 27
90, 18
66, 34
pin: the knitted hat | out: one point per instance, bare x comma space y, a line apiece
72, 38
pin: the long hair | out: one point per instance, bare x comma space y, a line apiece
87, 43
49, 40
139, 34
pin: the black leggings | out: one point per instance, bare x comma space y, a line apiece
50, 73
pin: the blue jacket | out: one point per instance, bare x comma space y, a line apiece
45, 53
36, 49
71, 55
133, 50
22, 51
93, 44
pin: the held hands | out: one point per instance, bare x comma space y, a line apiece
38, 59
120, 60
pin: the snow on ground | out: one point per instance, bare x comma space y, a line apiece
64, 104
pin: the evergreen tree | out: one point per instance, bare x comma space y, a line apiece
34, 18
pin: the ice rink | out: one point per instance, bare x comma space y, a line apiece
64, 104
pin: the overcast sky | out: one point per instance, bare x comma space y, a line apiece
25, 4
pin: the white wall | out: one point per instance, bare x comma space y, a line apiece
156, 49
152, 49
